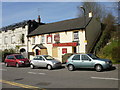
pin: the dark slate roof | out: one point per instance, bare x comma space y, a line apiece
40, 46
66, 25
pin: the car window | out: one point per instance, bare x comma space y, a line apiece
19, 57
38, 58
76, 57
10, 57
93, 56
47, 57
85, 57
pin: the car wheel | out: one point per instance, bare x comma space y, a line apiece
71, 68
98, 68
17, 65
49, 67
32, 66
6, 64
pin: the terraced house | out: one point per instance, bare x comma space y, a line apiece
68, 36
15, 36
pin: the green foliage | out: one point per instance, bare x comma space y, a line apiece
7, 52
108, 45
65, 57
108, 30
110, 51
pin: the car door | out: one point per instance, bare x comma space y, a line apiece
12, 60
86, 61
35, 61
76, 61
41, 62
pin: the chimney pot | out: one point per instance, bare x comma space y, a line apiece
39, 19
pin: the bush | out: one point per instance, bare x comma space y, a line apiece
115, 54
65, 57
7, 52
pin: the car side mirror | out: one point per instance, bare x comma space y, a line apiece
89, 59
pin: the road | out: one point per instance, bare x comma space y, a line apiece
41, 78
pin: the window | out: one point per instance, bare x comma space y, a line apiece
33, 40
76, 57
48, 57
0, 41
22, 38
76, 36
38, 58
10, 57
49, 39
84, 57
6, 40
19, 57
64, 50
13, 39
42, 39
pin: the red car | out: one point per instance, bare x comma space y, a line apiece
16, 60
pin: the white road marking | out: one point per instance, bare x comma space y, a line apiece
2, 63
105, 78
3, 69
42, 73
32, 72
36, 73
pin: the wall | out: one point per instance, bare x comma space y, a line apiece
93, 31
11, 41
65, 37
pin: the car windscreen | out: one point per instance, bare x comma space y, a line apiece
93, 56
19, 57
48, 57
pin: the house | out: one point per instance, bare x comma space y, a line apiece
15, 36
68, 36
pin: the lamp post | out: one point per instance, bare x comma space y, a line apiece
84, 14
85, 42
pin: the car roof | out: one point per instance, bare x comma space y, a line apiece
82, 53
14, 54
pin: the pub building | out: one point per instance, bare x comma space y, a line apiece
68, 36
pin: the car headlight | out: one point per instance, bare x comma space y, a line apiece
21, 61
107, 62
54, 63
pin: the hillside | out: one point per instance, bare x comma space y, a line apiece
112, 49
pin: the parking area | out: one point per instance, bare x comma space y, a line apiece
60, 78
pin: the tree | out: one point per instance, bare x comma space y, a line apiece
107, 33
95, 7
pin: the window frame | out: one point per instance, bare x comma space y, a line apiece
76, 59
88, 58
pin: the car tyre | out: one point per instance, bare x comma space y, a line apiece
32, 66
6, 64
17, 65
98, 68
71, 68
49, 67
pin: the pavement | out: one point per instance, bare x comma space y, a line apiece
41, 78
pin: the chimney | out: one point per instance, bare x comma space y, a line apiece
39, 19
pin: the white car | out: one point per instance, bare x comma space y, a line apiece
44, 61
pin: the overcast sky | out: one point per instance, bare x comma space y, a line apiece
13, 12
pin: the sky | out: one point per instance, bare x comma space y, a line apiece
14, 12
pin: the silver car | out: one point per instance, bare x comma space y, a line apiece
44, 61
87, 61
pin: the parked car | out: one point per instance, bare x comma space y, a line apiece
45, 61
87, 61
16, 60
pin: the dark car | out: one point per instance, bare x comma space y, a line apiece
16, 60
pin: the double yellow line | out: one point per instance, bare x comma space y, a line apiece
21, 85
